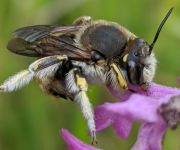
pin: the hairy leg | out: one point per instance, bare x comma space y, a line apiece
41, 68
116, 78
77, 85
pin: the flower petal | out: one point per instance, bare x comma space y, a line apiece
105, 118
122, 127
122, 114
154, 90
159, 91
150, 137
73, 143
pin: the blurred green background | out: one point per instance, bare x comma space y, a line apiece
30, 120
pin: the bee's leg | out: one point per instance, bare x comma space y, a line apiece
17, 81
46, 62
47, 66
82, 20
41, 68
144, 86
120, 77
77, 85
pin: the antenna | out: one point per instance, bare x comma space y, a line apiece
159, 29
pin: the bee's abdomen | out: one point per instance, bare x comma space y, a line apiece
106, 39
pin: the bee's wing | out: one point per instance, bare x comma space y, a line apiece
45, 40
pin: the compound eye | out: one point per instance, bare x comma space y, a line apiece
136, 54
146, 51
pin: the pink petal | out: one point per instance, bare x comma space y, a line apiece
150, 137
102, 118
122, 127
154, 91
73, 143
159, 91
122, 114
105, 118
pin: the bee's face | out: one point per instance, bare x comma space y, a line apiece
137, 60
139, 48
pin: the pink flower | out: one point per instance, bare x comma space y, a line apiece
157, 109
73, 143
153, 108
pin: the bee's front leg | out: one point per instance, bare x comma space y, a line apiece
77, 85
119, 76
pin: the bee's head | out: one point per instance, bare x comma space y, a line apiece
139, 51
139, 57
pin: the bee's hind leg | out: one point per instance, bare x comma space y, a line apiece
77, 85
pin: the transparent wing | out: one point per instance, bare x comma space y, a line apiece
46, 40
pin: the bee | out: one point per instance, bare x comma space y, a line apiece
86, 52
